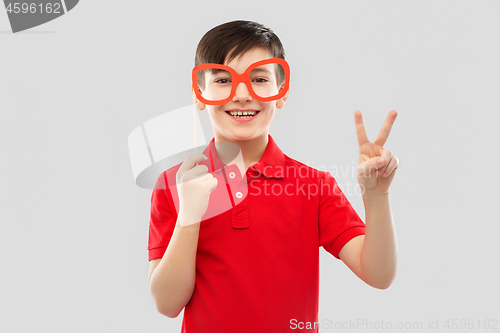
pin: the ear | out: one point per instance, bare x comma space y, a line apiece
281, 102
196, 102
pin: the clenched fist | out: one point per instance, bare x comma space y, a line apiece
194, 185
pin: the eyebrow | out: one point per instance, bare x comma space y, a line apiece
216, 70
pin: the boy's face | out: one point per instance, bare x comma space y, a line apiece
226, 127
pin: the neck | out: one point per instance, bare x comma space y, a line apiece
251, 150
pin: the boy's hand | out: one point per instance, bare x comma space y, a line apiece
194, 185
375, 176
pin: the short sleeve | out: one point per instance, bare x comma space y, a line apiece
338, 221
162, 221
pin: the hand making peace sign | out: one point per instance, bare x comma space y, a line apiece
377, 166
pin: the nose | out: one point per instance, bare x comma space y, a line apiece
241, 94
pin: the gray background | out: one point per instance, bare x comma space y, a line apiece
74, 226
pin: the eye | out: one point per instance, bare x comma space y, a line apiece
223, 81
260, 80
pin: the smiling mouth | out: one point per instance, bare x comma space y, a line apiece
242, 116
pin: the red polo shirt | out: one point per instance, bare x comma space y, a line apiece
257, 262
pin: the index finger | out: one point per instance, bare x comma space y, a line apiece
386, 128
360, 128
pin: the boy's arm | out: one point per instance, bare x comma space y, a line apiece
172, 279
373, 256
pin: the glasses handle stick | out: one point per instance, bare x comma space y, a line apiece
194, 125
194, 117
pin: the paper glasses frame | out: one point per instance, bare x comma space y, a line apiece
238, 78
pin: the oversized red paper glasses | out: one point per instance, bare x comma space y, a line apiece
266, 80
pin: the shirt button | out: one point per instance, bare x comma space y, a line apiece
239, 195
232, 175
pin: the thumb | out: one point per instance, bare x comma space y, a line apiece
215, 186
369, 167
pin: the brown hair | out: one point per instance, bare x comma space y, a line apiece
232, 39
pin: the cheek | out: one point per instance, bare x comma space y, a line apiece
213, 110
268, 107
213, 115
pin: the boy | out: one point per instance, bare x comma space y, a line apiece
255, 267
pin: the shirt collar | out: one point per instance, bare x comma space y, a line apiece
271, 164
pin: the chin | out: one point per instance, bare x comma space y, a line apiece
243, 136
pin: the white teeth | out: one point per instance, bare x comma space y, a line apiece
244, 113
